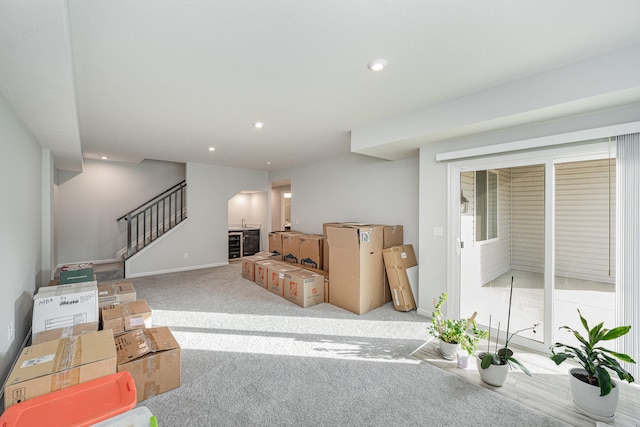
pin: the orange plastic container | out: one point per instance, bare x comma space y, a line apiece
79, 405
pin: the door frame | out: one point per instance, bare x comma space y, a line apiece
589, 150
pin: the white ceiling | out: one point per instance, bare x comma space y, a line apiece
165, 80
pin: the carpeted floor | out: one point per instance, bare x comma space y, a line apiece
251, 358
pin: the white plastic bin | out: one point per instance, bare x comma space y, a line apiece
136, 417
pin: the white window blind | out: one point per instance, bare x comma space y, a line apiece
628, 248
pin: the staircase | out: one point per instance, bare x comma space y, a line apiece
152, 219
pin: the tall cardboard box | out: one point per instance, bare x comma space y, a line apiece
357, 269
311, 248
275, 242
261, 267
114, 293
401, 267
275, 276
152, 356
304, 288
126, 317
64, 305
291, 246
57, 364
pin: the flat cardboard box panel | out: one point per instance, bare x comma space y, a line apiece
393, 236
54, 365
248, 266
152, 356
261, 268
67, 332
76, 273
118, 292
311, 250
304, 288
401, 256
126, 317
275, 276
64, 305
357, 269
402, 295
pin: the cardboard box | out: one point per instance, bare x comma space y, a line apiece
64, 305
275, 276
152, 356
304, 288
402, 256
114, 293
76, 273
401, 265
393, 236
275, 242
54, 365
248, 267
68, 332
357, 269
291, 246
125, 317
270, 255
261, 274
311, 248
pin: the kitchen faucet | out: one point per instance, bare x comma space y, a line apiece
244, 223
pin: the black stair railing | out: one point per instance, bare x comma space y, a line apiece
155, 217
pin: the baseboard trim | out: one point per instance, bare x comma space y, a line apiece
174, 270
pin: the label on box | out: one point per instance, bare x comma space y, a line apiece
137, 321
38, 360
365, 236
403, 255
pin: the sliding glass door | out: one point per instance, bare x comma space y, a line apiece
546, 224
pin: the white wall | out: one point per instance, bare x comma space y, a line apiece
203, 237
20, 231
354, 188
89, 203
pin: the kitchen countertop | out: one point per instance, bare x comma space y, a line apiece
234, 227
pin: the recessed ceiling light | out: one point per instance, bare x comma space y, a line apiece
258, 125
104, 158
267, 163
377, 64
212, 149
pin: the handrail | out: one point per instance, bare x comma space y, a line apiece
180, 184
152, 219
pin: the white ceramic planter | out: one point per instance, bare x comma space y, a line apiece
495, 375
587, 399
447, 350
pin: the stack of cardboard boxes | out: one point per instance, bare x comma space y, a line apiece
349, 256
83, 330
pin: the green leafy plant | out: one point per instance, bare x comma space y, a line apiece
596, 360
455, 331
504, 355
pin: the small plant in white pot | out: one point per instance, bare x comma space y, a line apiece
454, 333
493, 367
592, 390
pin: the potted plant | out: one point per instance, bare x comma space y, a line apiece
592, 390
493, 367
453, 333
